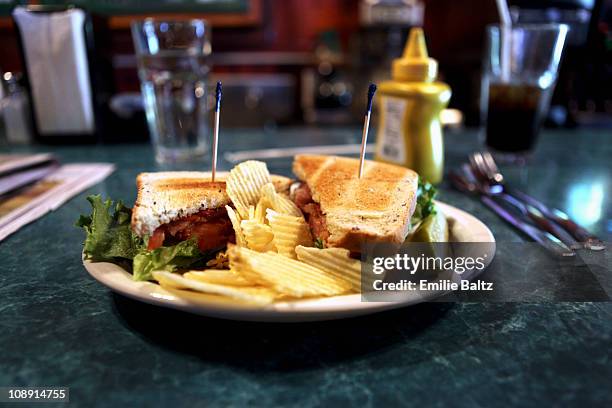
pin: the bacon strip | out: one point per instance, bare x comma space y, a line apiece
312, 212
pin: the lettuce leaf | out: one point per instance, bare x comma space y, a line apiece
109, 235
109, 238
425, 205
319, 243
169, 259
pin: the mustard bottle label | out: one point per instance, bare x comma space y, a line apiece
391, 142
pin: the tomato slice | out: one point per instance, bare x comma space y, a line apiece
157, 239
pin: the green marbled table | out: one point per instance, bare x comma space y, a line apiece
59, 327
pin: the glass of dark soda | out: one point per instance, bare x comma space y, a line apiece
519, 74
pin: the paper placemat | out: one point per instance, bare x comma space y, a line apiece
32, 202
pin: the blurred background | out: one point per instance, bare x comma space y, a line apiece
296, 62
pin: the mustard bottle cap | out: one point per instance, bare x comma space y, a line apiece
415, 64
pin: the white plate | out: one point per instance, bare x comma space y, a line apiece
466, 228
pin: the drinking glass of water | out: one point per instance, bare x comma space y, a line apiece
173, 69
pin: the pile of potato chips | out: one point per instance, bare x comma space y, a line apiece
274, 258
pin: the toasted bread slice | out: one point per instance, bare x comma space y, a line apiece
374, 208
166, 196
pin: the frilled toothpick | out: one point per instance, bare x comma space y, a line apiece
366, 127
215, 144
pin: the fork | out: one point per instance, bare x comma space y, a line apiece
485, 167
547, 240
526, 210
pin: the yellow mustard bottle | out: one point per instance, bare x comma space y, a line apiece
410, 132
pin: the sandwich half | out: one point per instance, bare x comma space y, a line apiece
176, 206
346, 211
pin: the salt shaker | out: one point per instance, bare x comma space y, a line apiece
15, 111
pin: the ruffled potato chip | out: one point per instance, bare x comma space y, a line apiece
258, 236
260, 211
335, 261
244, 183
289, 232
257, 295
284, 275
218, 276
220, 261
235, 220
278, 202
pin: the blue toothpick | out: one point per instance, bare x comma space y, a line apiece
215, 145
366, 127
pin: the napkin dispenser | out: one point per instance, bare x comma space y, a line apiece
56, 47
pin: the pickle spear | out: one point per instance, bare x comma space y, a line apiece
434, 228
